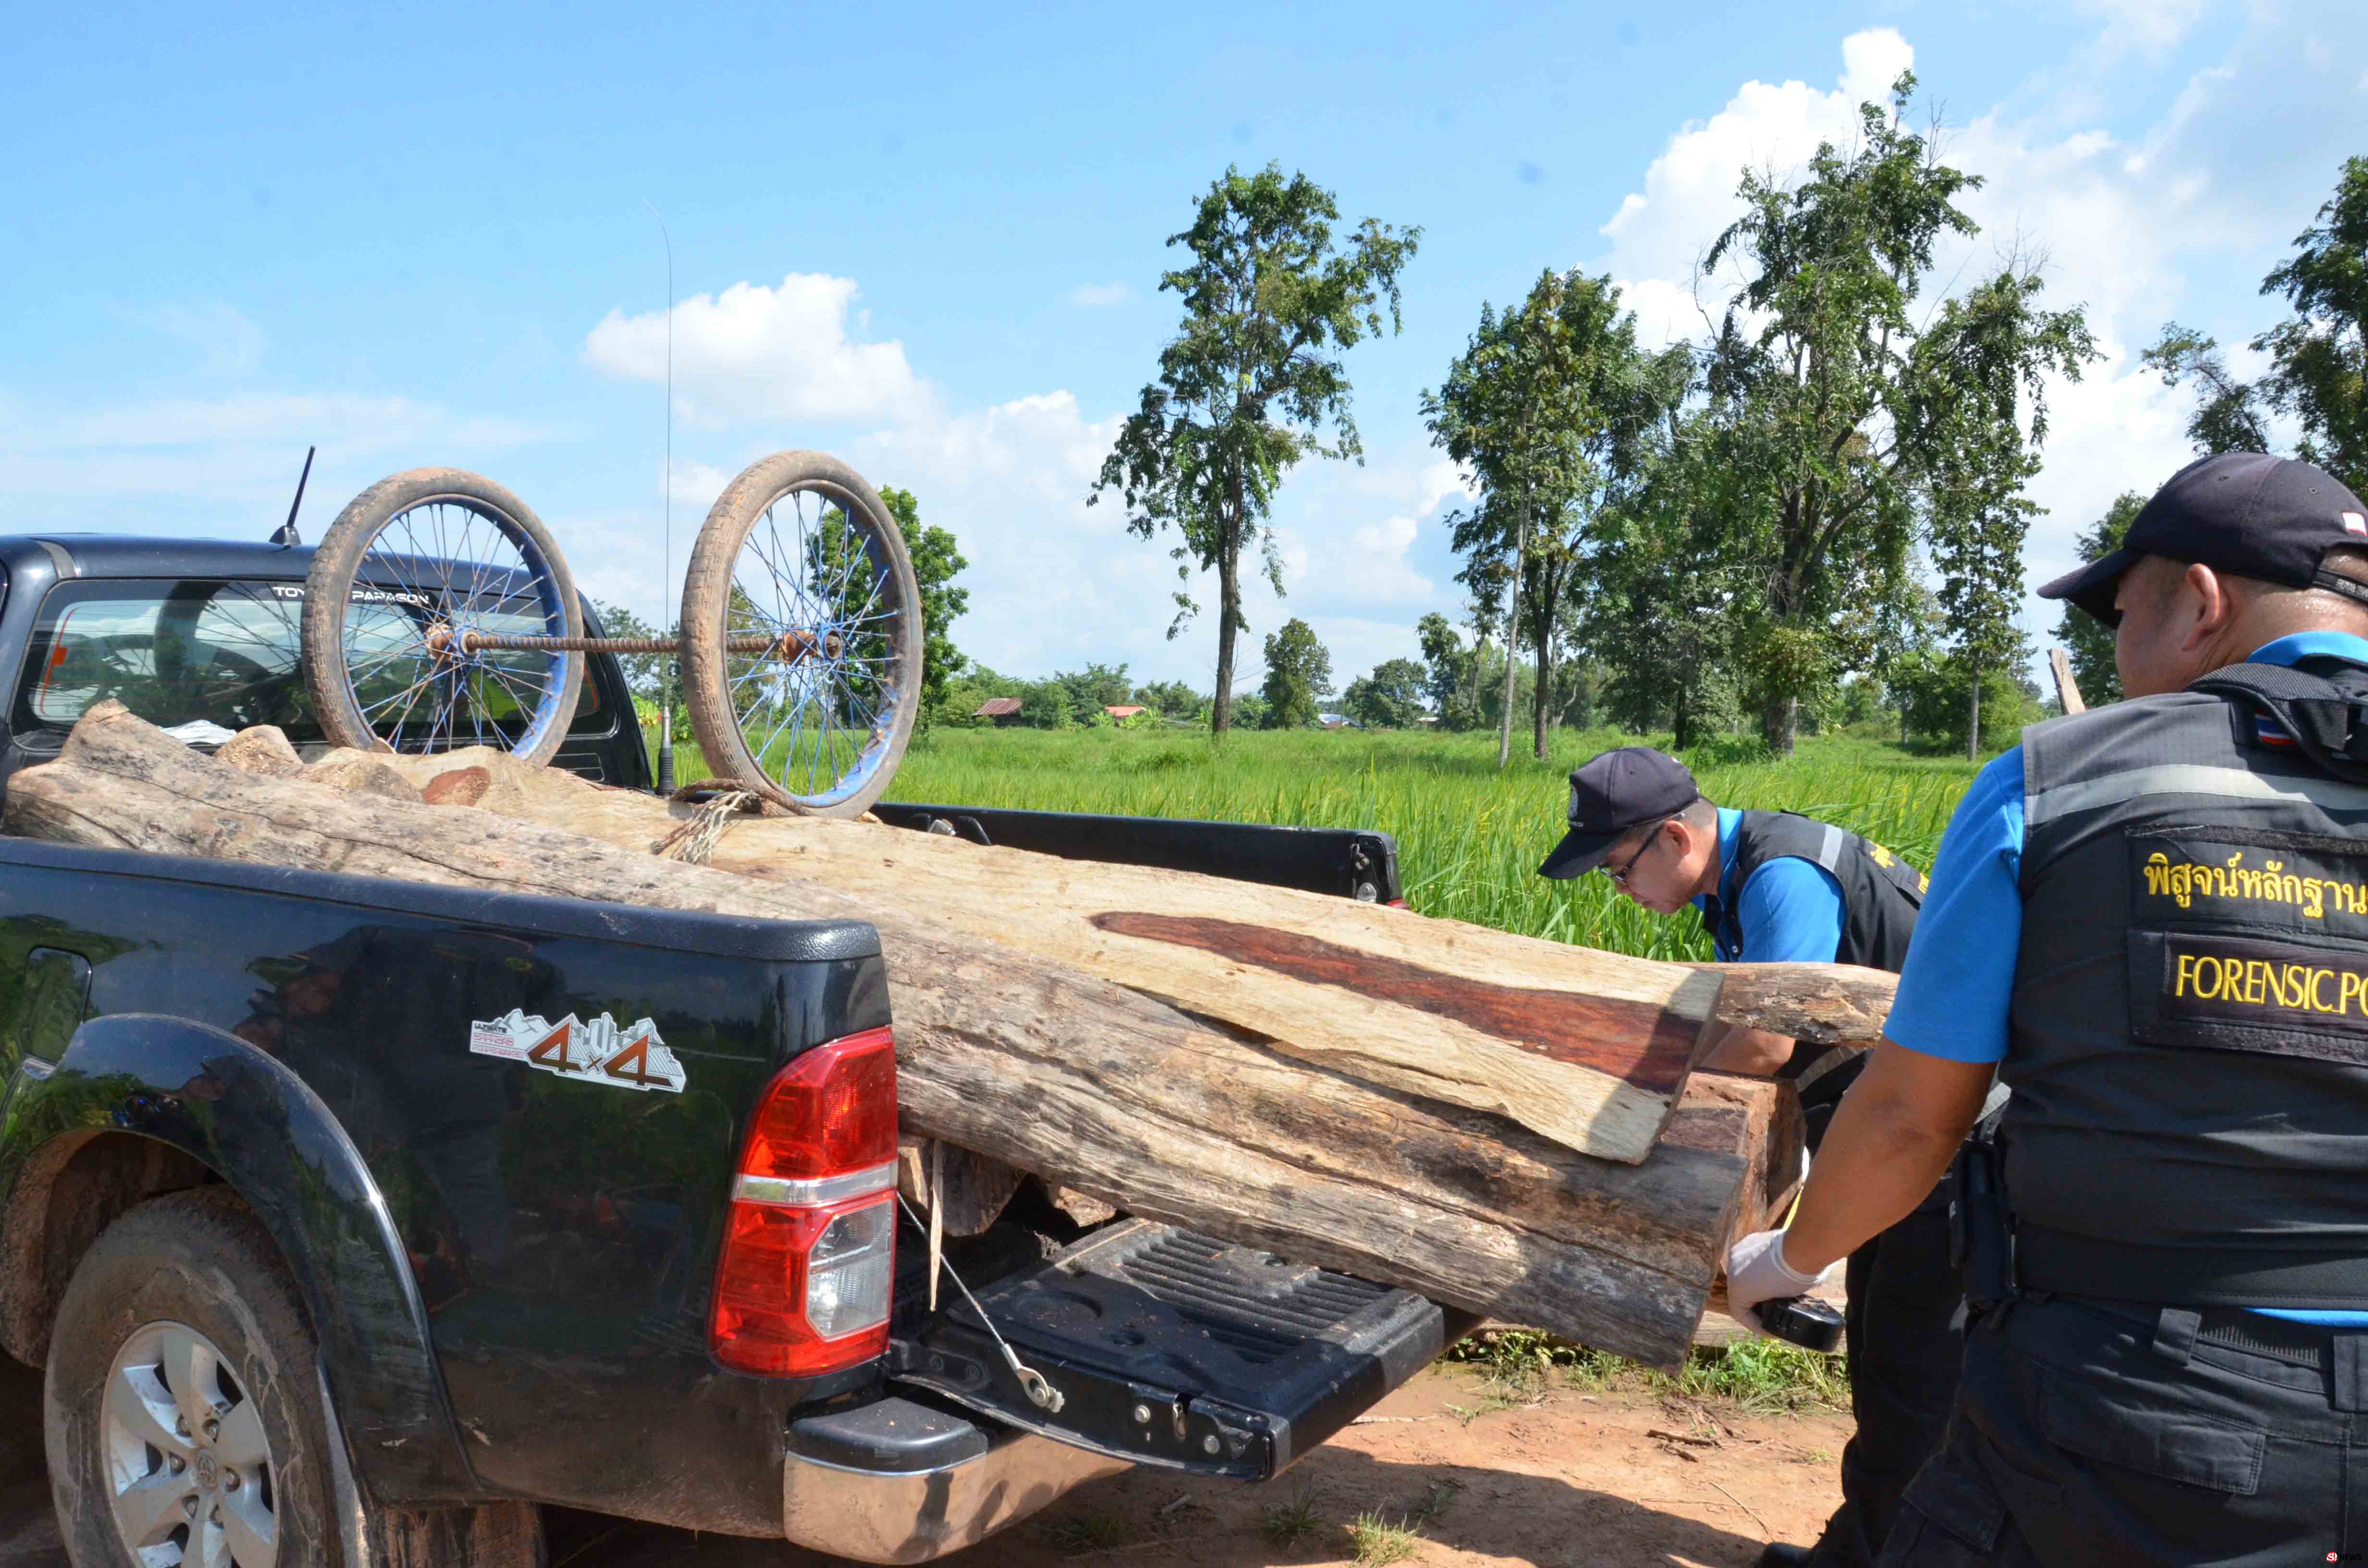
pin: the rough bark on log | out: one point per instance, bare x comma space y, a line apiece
1085, 1084
977, 1186
1820, 1003
1825, 1003
1588, 1047
1083, 1211
265, 749
1757, 1120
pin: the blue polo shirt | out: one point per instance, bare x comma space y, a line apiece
1959, 977
1791, 910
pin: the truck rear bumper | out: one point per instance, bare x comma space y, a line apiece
916, 1515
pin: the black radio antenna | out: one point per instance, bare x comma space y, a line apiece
288, 534
666, 490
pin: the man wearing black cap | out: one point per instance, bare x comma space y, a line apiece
2152, 921
1775, 887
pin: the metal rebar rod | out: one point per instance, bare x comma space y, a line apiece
484, 641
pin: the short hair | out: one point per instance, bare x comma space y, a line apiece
1701, 811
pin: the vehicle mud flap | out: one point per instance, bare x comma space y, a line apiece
1170, 1348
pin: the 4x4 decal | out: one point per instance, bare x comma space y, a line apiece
595, 1052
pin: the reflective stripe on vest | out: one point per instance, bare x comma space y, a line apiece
2188, 779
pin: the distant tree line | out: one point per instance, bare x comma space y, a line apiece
1811, 517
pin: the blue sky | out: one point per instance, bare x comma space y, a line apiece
930, 239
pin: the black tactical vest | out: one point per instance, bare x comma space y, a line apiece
2188, 1044
1881, 895
1881, 892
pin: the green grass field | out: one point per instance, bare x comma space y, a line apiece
1469, 837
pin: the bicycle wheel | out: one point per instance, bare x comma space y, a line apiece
414, 571
801, 636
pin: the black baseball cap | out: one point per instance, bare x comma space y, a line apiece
1611, 794
2272, 519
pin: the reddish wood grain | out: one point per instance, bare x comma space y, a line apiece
1641, 1044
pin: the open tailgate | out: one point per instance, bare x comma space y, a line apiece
1170, 1348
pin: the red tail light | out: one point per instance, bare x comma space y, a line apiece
809, 1258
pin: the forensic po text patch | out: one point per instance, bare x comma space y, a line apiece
2239, 994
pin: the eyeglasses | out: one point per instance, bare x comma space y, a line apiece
1620, 876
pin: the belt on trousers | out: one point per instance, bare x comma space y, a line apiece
2068, 1265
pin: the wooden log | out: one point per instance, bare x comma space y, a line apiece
1757, 1121
1085, 1084
975, 1188
1820, 1003
1823, 1004
2067, 690
1589, 1048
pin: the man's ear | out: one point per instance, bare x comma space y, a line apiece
2212, 610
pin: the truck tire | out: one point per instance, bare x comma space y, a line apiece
184, 1416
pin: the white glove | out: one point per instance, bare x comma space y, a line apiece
1757, 1272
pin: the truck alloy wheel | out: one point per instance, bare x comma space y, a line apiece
182, 1412
184, 1419
186, 1455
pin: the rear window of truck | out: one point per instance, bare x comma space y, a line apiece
192, 655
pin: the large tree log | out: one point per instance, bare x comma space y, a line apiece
1588, 1047
1086, 1084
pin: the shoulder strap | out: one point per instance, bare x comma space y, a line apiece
2329, 724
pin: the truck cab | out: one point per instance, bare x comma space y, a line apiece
201, 637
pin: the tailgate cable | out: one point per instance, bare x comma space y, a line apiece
1040, 1392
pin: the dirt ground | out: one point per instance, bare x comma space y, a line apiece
1606, 1479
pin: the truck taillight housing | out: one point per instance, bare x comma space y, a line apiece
809, 1257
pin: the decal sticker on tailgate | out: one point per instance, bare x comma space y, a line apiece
597, 1052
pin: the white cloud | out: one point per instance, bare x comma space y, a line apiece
1097, 295
1374, 565
2147, 27
194, 458
227, 343
1659, 233
353, 423
754, 352
696, 483
2119, 223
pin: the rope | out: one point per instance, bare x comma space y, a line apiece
695, 840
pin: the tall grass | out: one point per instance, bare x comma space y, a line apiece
1469, 836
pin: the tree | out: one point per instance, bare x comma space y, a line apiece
2228, 413
1170, 698
1389, 698
1252, 383
1447, 672
1662, 614
1298, 671
2088, 642
1821, 401
2318, 357
1087, 693
1546, 407
1979, 400
654, 678
936, 563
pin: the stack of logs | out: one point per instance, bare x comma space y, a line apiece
1505, 1125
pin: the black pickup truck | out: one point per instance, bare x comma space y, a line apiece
350, 1221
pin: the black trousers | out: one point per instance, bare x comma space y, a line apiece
1905, 1333
2108, 1434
